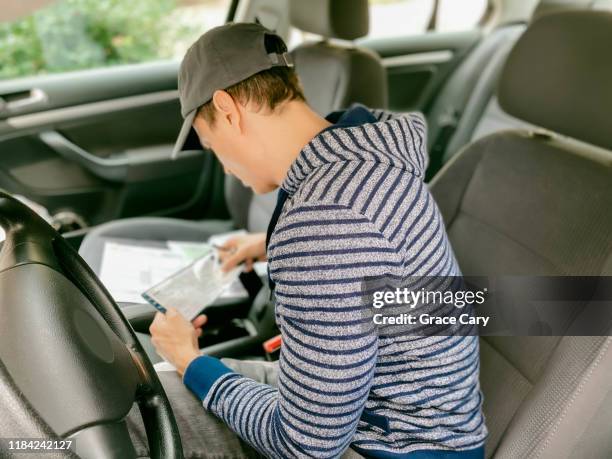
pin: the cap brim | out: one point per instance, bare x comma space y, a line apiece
187, 138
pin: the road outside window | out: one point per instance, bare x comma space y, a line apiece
68, 35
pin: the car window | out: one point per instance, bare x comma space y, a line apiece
411, 17
395, 18
70, 35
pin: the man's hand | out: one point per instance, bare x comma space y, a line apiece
243, 249
175, 339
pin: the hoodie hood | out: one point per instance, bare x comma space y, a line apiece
399, 140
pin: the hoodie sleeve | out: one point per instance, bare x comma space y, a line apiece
329, 346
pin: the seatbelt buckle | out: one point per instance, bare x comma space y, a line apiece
272, 347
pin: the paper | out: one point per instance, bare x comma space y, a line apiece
189, 250
131, 267
260, 267
164, 366
128, 270
193, 288
2, 235
220, 239
236, 290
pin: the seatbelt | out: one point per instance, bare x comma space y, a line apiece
280, 202
449, 123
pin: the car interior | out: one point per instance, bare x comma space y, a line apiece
520, 167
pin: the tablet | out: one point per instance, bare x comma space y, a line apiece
193, 288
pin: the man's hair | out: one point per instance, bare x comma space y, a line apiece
266, 89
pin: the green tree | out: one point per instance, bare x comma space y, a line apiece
81, 34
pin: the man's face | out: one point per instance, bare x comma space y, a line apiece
236, 146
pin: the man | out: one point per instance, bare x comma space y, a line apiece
352, 206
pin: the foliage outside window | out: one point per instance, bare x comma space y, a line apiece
82, 34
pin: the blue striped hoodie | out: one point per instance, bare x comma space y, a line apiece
357, 208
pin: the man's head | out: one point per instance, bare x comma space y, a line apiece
232, 82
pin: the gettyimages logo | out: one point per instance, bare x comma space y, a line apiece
414, 298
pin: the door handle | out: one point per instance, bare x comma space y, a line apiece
21, 101
121, 166
113, 169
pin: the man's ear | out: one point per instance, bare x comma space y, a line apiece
226, 107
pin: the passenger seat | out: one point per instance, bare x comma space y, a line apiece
540, 204
333, 77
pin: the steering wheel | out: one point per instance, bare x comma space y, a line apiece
70, 364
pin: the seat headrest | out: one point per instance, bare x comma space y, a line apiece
559, 76
343, 19
545, 7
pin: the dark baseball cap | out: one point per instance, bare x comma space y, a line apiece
220, 58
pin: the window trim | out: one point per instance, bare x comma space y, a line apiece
231, 12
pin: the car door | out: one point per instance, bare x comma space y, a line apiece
418, 66
89, 109
421, 42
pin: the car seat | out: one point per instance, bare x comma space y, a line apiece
538, 202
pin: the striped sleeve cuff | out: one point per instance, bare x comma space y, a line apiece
202, 373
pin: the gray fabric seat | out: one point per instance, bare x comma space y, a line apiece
463, 99
333, 76
336, 75
522, 202
466, 109
493, 118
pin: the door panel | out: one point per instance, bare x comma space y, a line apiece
99, 144
82, 87
418, 65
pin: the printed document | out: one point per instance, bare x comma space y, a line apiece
131, 267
